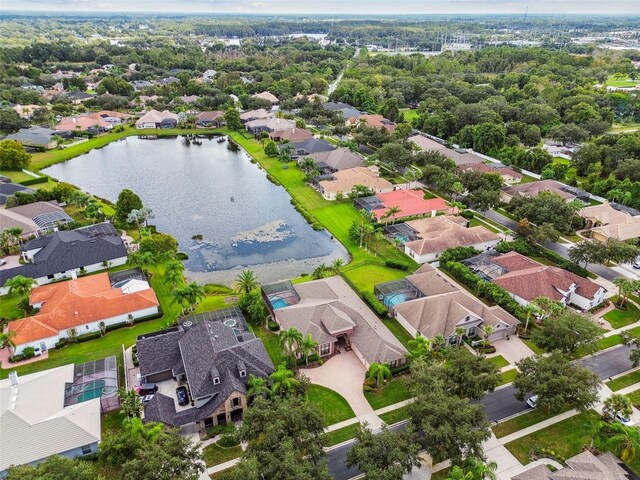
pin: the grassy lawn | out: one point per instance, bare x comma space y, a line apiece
499, 361
535, 348
398, 330
366, 276
341, 435
621, 318
614, 81
527, 179
634, 397
9, 307
16, 176
521, 421
332, 405
394, 391
215, 302
271, 343
409, 114
508, 376
214, 454
624, 381
474, 222
566, 438
395, 416
112, 421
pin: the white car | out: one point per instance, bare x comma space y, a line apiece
146, 399
532, 401
623, 420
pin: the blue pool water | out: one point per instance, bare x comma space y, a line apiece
279, 303
396, 299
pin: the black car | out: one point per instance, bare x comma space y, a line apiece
183, 396
147, 389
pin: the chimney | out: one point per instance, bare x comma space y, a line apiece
13, 378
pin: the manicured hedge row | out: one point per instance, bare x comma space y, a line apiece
34, 181
375, 304
397, 265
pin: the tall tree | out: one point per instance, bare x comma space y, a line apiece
232, 119
474, 468
13, 156
379, 372
246, 282
127, 201
54, 468
568, 332
21, 286
291, 339
384, 456
617, 404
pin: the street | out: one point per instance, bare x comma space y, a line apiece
501, 403
560, 249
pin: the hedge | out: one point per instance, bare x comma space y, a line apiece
397, 265
33, 181
375, 304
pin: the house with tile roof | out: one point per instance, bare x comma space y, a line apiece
606, 222
212, 354
255, 115
430, 304
68, 253
533, 189
461, 157
156, 119
343, 181
373, 121
436, 234
36, 218
291, 135
584, 466
80, 305
83, 123
525, 279
335, 317
210, 119
508, 175
37, 422
270, 124
411, 203
268, 96
340, 158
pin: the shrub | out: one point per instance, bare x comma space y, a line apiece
182, 256
375, 304
457, 254
228, 440
468, 214
28, 352
273, 326
16, 358
34, 181
397, 265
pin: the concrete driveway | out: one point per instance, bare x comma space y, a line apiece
513, 349
345, 374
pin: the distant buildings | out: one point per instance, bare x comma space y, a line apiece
461, 157
269, 97
35, 137
210, 119
34, 218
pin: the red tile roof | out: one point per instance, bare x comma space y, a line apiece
410, 202
77, 302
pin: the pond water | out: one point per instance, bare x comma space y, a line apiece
211, 190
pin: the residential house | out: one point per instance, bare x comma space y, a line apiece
80, 306
38, 421
140, 84
210, 119
310, 147
34, 218
110, 116
347, 110
189, 99
84, 123
272, 124
167, 80
258, 114
525, 279
34, 137
209, 75
430, 304
311, 97
335, 317
66, 254
606, 222
268, 96
343, 181
7, 189
80, 97
374, 121
460, 156
340, 158
26, 111
156, 119
291, 135
431, 236
533, 189
508, 175
583, 466
213, 354
410, 203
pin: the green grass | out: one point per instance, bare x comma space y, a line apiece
624, 381
409, 114
565, 438
561, 161
398, 331
214, 454
341, 434
332, 405
508, 376
499, 361
271, 343
366, 276
394, 391
634, 397
9, 307
496, 226
525, 420
527, 179
395, 416
615, 81
535, 348
16, 176
112, 421
215, 302
621, 318
474, 222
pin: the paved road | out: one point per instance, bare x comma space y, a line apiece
501, 403
560, 249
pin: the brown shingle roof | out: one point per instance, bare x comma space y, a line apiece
533, 189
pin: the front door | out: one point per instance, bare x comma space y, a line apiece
222, 419
43, 347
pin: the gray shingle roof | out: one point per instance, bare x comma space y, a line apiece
33, 136
8, 189
68, 250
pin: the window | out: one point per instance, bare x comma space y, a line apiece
86, 449
243, 373
235, 402
216, 380
86, 327
51, 277
471, 332
325, 349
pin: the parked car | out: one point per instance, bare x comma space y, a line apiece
146, 399
636, 264
147, 389
623, 420
2, 262
183, 395
532, 401
37, 351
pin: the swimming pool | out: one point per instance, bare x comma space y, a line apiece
396, 299
278, 303
91, 390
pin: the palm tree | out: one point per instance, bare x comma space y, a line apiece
460, 332
143, 260
529, 310
420, 346
336, 266
488, 331
474, 469
390, 213
379, 372
255, 308
195, 293
623, 441
141, 431
626, 287
548, 307
257, 387
7, 339
283, 381
246, 282
308, 346
21, 286
291, 338
173, 272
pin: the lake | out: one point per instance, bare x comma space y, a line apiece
211, 190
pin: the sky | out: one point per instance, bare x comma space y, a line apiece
397, 7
